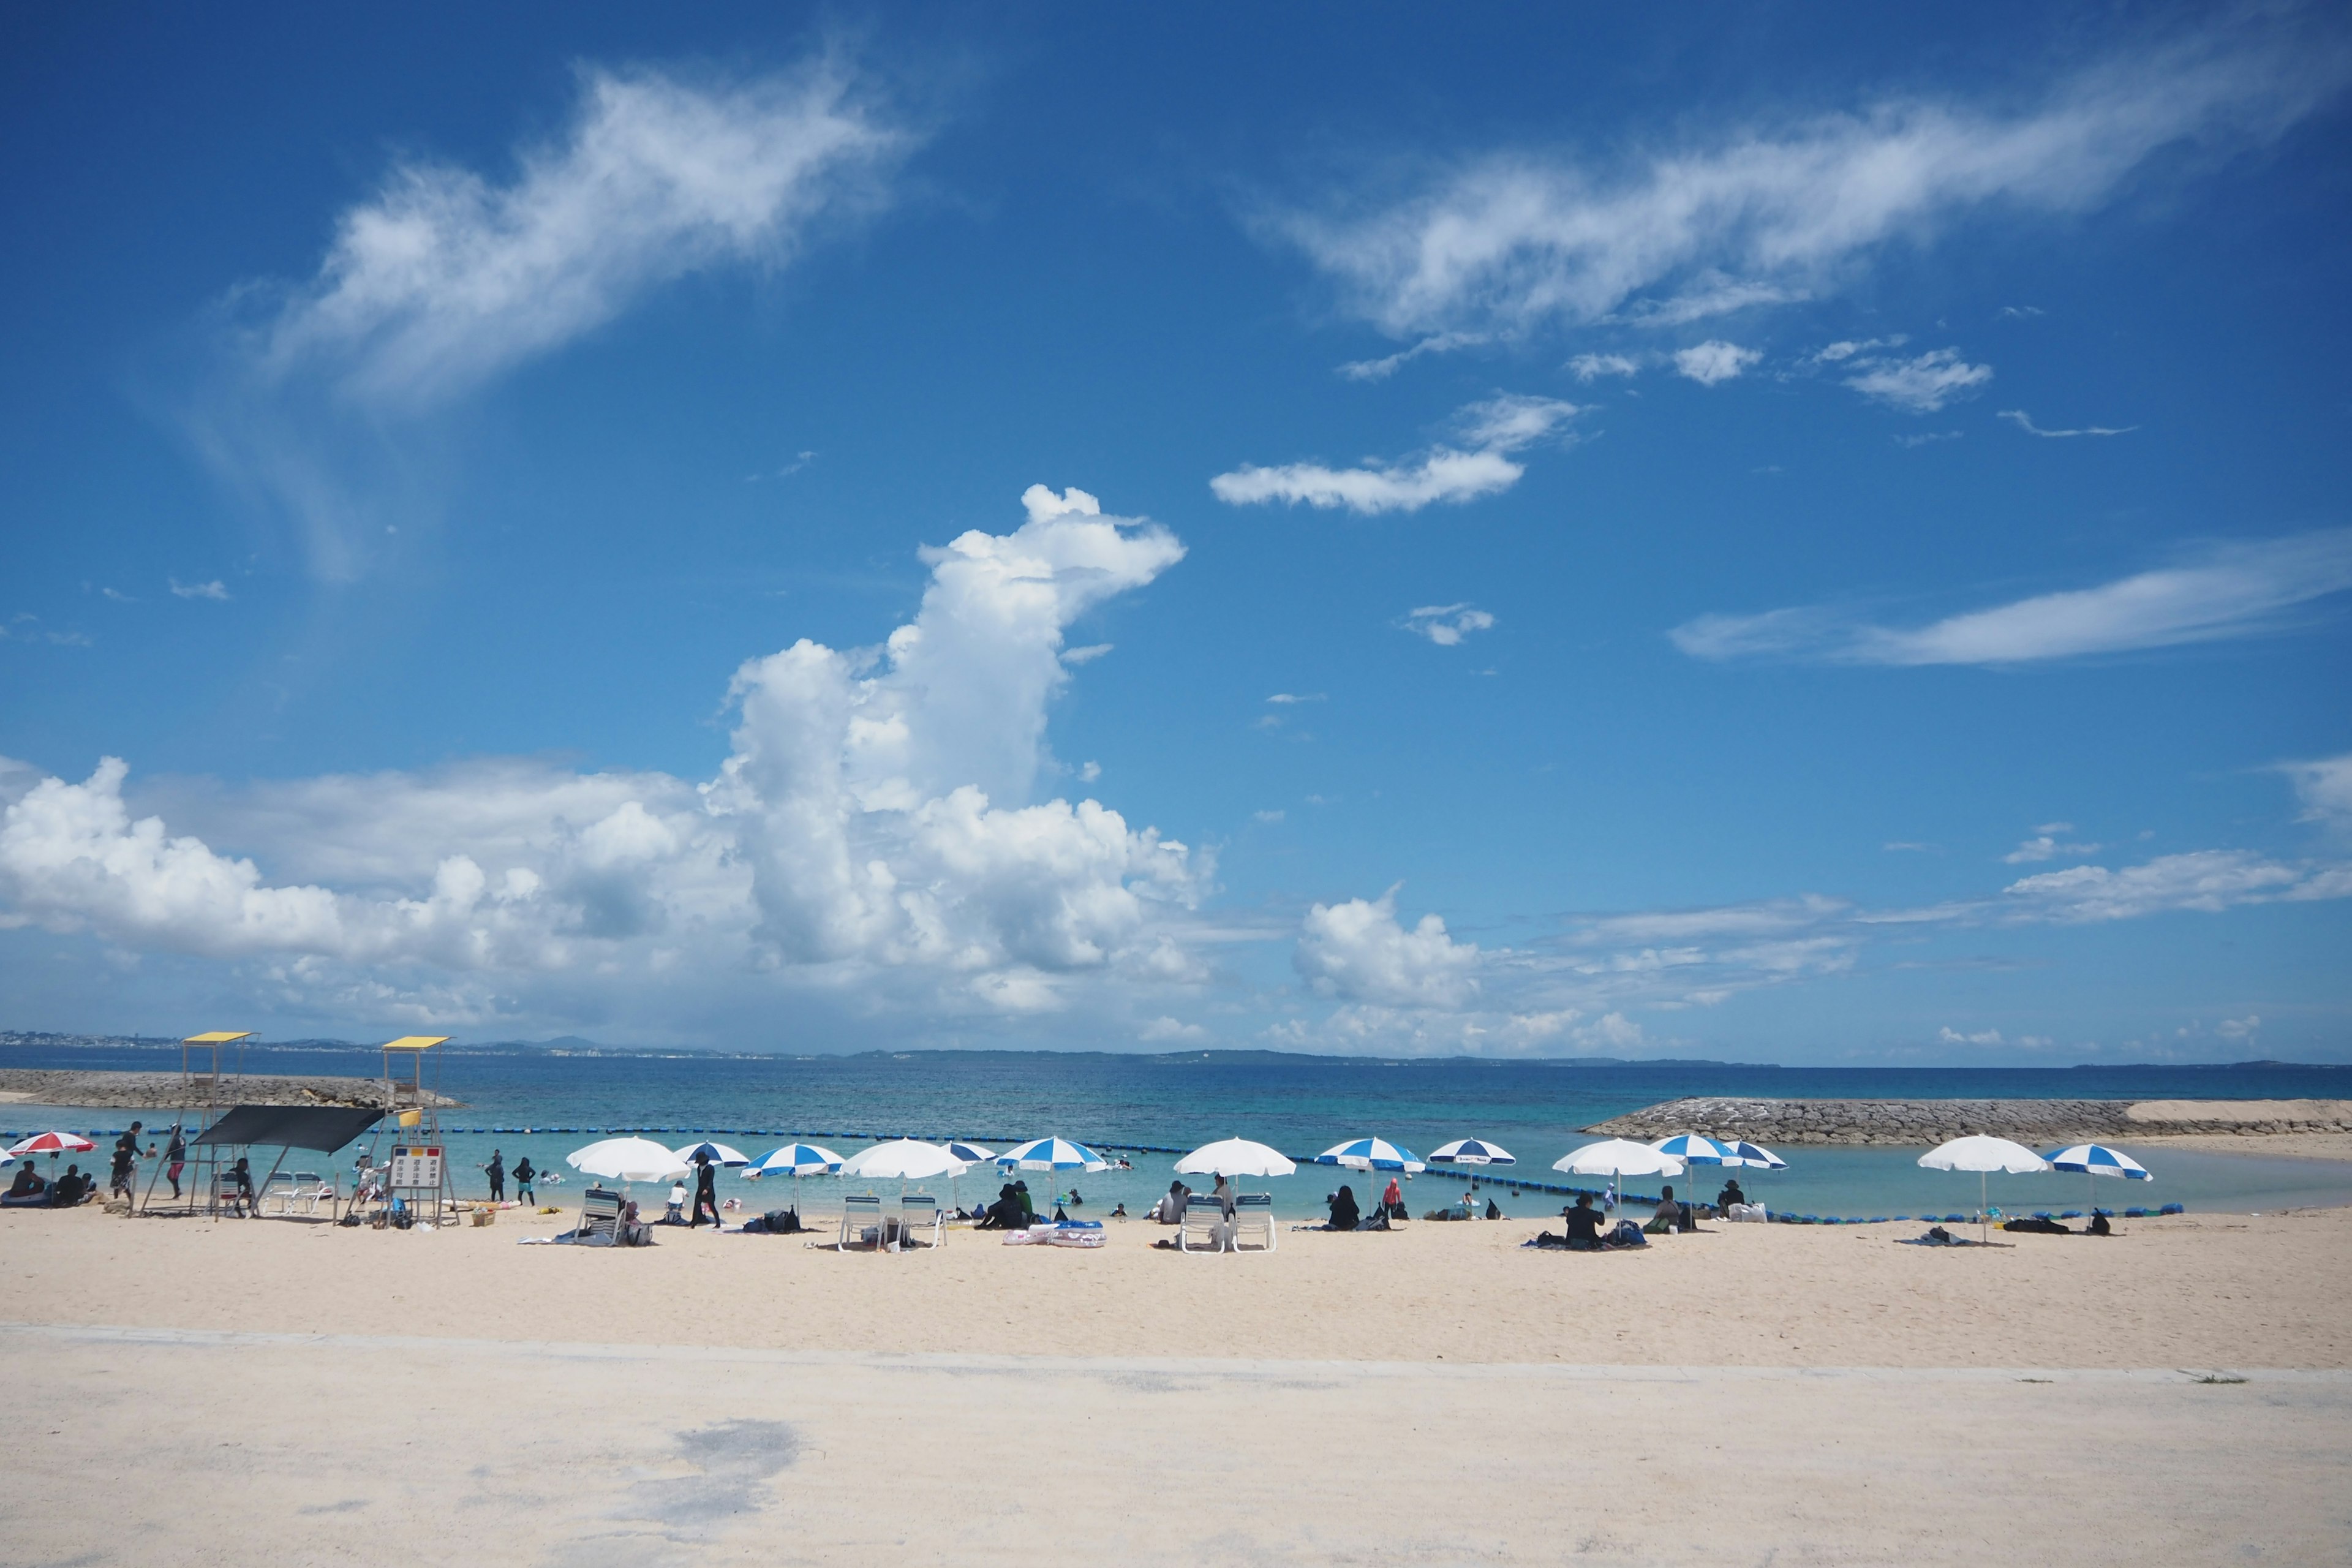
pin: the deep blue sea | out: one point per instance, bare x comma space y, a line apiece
1299, 1104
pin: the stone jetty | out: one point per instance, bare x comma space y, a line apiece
164, 1091
1928, 1122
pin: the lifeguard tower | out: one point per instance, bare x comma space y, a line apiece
418, 1175
206, 1089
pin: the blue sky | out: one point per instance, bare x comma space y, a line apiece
1799, 534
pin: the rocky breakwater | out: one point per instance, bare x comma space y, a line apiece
164, 1091
1928, 1121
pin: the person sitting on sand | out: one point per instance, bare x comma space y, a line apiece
2098, 1226
1028, 1204
67, 1189
28, 1183
1494, 1209
1729, 1195
1344, 1214
1583, 1224
1005, 1214
1669, 1216
1170, 1210
675, 1213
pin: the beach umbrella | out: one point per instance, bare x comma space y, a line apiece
1747, 1153
970, 1154
2097, 1160
1235, 1157
797, 1160
1372, 1154
628, 1160
716, 1154
1692, 1149
904, 1159
1051, 1154
53, 1144
1472, 1152
1617, 1157
1983, 1155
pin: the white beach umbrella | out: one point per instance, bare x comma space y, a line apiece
2097, 1160
904, 1159
1472, 1152
1983, 1155
1235, 1157
628, 1160
1616, 1157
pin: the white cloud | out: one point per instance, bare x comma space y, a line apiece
2044, 846
2219, 592
447, 278
1287, 699
1714, 361
1841, 351
2206, 880
215, 589
2023, 421
2020, 312
1492, 429
1358, 952
1951, 1036
1592, 367
1518, 241
1712, 294
1927, 438
1085, 655
1921, 385
1165, 1029
2239, 1028
1383, 368
2325, 788
1269, 818
871, 837
1447, 624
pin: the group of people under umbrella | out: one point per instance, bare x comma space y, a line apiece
905, 1160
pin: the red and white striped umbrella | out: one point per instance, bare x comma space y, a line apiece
53, 1143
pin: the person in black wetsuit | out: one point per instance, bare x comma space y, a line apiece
706, 1191
496, 1169
1729, 1195
175, 1160
1006, 1214
126, 1153
1583, 1224
1345, 1215
525, 1174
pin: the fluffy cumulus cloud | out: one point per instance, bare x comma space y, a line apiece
1747, 214
2325, 788
445, 277
1477, 463
1358, 951
1714, 361
873, 836
2211, 593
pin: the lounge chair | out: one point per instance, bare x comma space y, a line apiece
918, 1213
600, 1216
856, 1212
1205, 1227
1253, 1212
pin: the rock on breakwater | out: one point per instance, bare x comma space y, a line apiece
162, 1090
1928, 1121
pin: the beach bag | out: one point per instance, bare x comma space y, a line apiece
1628, 1234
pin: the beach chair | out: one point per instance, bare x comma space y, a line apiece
1254, 1214
600, 1216
918, 1213
856, 1214
1205, 1228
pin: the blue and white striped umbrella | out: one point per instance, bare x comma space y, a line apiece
1372, 1155
716, 1154
1694, 1150
1750, 1155
2101, 1161
1051, 1154
1472, 1152
799, 1160
970, 1154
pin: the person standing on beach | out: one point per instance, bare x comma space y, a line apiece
126, 1152
525, 1172
176, 1159
498, 1170
706, 1191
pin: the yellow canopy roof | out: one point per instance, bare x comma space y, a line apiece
414, 1042
217, 1038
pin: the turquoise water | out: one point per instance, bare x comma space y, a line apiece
1299, 1104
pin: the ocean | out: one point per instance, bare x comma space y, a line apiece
1142, 1106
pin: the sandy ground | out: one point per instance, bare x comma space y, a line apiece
2240, 1110
2285, 1145
242, 1390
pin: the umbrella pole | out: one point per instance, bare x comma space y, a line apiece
1984, 1217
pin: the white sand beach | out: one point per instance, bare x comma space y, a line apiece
302, 1392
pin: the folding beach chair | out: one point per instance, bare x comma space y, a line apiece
600, 1216
1254, 1214
1205, 1228
917, 1212
855, 1212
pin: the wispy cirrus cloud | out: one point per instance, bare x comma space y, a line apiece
2214, 593
1920, 385
2025, 421
1447, 624
445, 278
1513, 241
1481, 465
215, 589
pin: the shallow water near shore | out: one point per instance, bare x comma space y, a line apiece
1299, 1104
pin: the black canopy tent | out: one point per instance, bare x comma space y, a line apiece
323, 1128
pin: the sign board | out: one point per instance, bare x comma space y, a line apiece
415, 1165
